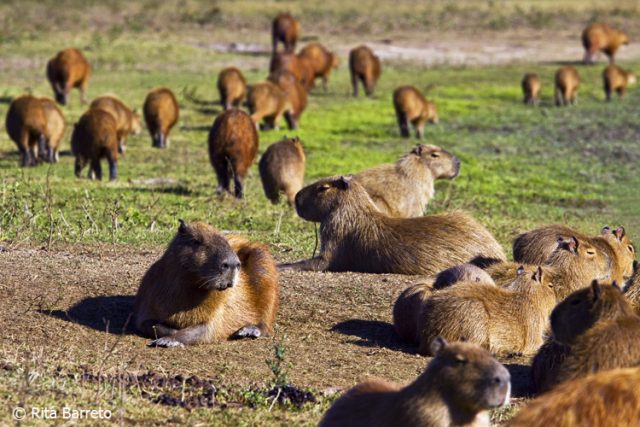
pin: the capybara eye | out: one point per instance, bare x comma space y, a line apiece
323, 188
460, 360
591, 252
435, 155
225, 265
631, 249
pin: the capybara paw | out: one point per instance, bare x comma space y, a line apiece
250, 331
166, 342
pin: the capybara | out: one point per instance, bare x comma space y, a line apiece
405, 188
462, 273
407, 308
301, 68
55, 129
356, 236
161, 113
285, 29
68, 69
127, 121
295, 92
26, 124
94, 137
364, 67
322, 61
206, 288
531, 88
632, 289
616, 79
282, 169
566, 87
233, 146
232, 87
268, 102
411, 106
457, 388
599, 37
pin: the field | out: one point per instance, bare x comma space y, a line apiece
72, 251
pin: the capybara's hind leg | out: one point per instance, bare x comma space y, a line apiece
237, 183
113, 169
354, 84
187, 336
558, 98
403, 123
96, 170
291, 120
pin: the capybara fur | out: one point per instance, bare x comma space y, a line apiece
268, 102
207, 287
296, 93
26, 124
94, 137
67, 70
161, 112
531, 88
127, 121
567, 82
462, 273
632, 289
616, 80
55, 129
599, 37
458, 388
322, 61
356, 236
301, 68
406, 310
411, 106
233, 146
282, 169
405, 188
285, 29
232, 87
364, 67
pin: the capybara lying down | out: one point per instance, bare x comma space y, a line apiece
404, 189
95, 137
206, 288
127, 121
322, 61
531, 88
599, 37
462, 273
282, 169
458, 388
616, 79
161, 113
232, 87
567, 83
364, 67
285, 29
68, 69
356, 236
26, 124
411, 106
233, 145
268, 102
55, 129
295, 91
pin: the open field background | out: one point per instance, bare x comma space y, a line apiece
72, 251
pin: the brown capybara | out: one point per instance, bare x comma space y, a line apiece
566, 87
296, 94
462, 273
26, 125
282, 169
364, 67
285, 29
55, 129
94, 137
632, 289
233, 146
599, 37
301, 68
356, 236
407, 308
616, 79
322, 61
161, 112
531, 88
207, 287
458, 388
127, 121
232, 87
69, 69
411, 106
404, 189
268, 102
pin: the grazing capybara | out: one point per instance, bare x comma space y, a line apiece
207, 287
268, 102
462, 273
364, 67
68, 69
599, 37
282, 169
161, 113
531, 88
301, 68
127, 121
296, 94
411, 106
55, 129
616, 79
94, 137
566, 87
356, 236
285, 29
404, 189
233, 145
26, 125
457, 388
322, 61
232, 87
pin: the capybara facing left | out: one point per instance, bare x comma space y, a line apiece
364, 67
233, 145
566, 86
161, 113
68, 69
26, 125
282, 169
411, 106
95, 136
531, 88
285, 29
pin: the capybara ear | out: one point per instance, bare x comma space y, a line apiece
619, 233
605, 230
570, 245
615, 285
537, 276
597, 290
520, 270
418, 149
437, 345
343, 182
182, 228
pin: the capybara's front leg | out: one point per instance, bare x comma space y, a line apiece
249, 331
96, 170
354, 84
313, 264
187, 336
113, 169
237, 183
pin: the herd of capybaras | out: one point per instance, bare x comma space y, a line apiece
569, 299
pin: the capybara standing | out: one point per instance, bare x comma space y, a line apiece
531, 88
285, 29
364, 67
232, 87
95, 137
457, 388
300, 67
69, 69
127, 121
55, 129
207, 287
616, 79
26, 125
296, 93
268, 102
411, 106
601, 37
161, 113
566, 87
321, 59
282, 169
233, 145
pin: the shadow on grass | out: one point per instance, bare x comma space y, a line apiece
566, 63
6, 99
198, 128
178, 190
209, 110
373, 333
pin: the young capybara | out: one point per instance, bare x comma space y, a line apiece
566, 87
616, 79
356, 236
301, 68
282, 169
268, 102
94, 137
322, 61
161, 113
364, 67
599, 37
55, 129
26, 124
206, 288
411, 106
295, 92
531, 88
458, 388
233, 146
68, 69
127, 121
285, 29
232, 87
404, 189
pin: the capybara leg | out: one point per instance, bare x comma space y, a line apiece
420, 130
155, 329
96, 168
313, 264
354, 84
83, 93
291, 121
52, 155
33, 156
121, 146
403, 123
237, 183
621, 91
42, 146
187, 336
368, 87
558, 98
607, 92
325, 81
249, 331
113, 169
24, 157
223, 180
274, 46
574, 97
79, 166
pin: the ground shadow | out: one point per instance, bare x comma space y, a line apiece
520, 379
6, 99
209, 110
198, 128
373, 333
566, 63
178, 190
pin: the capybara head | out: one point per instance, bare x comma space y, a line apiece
317, 201
530, 276
441, 163
581, 255
61, 95
461, 273
624, 249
